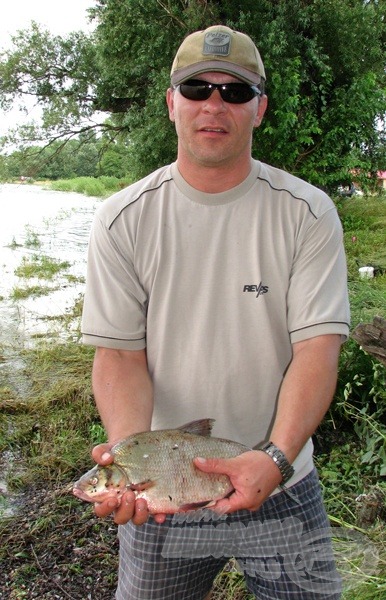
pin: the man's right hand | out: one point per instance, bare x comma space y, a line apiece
126, 508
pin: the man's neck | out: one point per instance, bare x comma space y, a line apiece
213, 179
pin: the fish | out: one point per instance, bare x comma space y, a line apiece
158, 466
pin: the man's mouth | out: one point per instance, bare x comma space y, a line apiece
213, 129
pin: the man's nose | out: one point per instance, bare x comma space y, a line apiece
215, 103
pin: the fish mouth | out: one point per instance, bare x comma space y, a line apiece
82, 495
97, 496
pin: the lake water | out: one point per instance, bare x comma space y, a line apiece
58, 224
36, 221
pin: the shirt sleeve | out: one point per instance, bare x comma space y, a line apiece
114, 311
317, 296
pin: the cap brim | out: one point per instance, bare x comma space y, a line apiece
181, 75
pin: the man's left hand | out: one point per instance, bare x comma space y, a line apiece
254, 477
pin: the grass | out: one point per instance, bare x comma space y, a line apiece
50, 427
90, 186
355, 425
35, 291
364, 224
40, 266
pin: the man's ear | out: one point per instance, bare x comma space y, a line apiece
263, 103
170, 102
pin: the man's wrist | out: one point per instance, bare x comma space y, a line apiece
280, 459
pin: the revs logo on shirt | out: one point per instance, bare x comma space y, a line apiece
257, 289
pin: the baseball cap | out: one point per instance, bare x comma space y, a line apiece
218, 48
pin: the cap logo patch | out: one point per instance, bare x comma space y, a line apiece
217, 43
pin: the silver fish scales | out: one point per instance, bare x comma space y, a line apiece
158, 466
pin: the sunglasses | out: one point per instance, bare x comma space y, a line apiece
233, 93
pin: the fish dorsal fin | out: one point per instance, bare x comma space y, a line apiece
200, 427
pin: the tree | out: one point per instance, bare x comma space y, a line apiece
114, 161
325, 79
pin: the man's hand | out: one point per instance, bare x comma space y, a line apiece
126, 507
253, 475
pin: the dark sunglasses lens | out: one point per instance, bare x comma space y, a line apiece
195, 91
237, 93
233, 93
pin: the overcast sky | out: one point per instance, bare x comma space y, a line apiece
58, 17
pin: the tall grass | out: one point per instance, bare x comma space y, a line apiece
90, 186
353, 456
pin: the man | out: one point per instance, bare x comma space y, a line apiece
217, 288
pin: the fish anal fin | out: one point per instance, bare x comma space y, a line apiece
196, 505
142, 485
200, 427
204, 503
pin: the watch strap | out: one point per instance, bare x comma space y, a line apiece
285, 468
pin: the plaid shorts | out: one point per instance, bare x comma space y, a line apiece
284, 550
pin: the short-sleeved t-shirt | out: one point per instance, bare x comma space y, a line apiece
217, 287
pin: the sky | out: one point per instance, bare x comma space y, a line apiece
58, 17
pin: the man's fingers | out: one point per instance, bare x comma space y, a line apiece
102, 455
125, 509
160, 518
141, 513
105, 508
213, 465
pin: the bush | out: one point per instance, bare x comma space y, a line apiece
357, 416
90, 186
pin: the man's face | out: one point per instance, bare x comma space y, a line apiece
214, 133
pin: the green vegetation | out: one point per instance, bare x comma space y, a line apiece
43, 269
325, 81
20, 293
57, 162
52, 427
32, 239
89, 186
40, 266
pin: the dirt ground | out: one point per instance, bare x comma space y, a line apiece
54, 547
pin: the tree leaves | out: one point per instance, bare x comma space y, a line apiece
325, 79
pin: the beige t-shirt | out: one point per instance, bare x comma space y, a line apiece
217, 287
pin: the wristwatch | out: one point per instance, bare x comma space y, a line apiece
279, 458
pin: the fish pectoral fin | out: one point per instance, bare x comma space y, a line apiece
142, 485
200, 427
196, 505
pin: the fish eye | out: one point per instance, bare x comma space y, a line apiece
94, 481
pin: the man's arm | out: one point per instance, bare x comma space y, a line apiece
124, 398
305, 396
306, 393
123, 391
